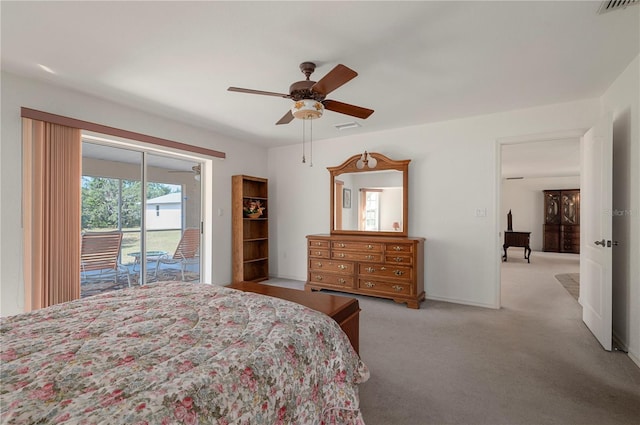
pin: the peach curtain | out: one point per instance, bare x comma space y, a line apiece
52, 172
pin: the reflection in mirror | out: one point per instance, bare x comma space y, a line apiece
369, 195
374, 202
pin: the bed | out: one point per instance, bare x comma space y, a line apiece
178, 353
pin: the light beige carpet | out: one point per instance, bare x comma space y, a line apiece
533, 362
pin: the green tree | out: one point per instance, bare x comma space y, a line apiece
100, 197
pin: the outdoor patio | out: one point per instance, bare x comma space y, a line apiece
94, 283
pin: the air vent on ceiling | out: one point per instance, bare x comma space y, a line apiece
609, 5
347, 125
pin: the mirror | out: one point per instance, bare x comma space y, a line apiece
369, 196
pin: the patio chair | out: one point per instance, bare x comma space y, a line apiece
99, 253
187, 252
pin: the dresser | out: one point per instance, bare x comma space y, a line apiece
379, 266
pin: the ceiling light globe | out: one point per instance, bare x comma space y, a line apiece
307, 109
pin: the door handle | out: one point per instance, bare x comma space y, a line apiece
601, 243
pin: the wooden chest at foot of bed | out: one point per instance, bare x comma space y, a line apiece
345, 311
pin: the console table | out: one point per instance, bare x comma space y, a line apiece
517, 239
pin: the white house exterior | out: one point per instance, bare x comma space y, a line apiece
165, 212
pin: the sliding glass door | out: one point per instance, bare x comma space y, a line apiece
172, 219
153, 202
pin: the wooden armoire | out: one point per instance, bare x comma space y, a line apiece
561, 221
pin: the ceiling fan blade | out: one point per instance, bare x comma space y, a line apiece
251, 91
345, 108
334, 79
286, 119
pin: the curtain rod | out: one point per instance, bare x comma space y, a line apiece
112, 131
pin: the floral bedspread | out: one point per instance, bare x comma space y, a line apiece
176, 353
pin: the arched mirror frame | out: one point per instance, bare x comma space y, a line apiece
361, 163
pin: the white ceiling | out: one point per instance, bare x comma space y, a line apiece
418, 62
549, 158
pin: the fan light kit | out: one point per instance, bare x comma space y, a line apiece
307, 109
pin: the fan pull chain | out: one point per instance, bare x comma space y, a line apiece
303, 137
311, 144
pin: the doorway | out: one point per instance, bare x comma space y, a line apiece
153, 199
528, 165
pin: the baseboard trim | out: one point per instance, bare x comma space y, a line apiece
304, 279
464, 302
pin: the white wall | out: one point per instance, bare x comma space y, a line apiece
390, 208
452, 173
242, 158
525, 200
623, 100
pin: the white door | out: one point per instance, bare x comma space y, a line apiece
595, 229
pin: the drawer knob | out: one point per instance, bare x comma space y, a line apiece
369, 284
369, 246
383, 268
398, 272
369, 257
318, 277
397, 248
318, 252
319, 264
397, 288
341, 255
370, 269
318, 243
340, 245
342, 266
342, 281
398, 259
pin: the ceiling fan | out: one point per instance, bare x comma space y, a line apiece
195, 170
310, 96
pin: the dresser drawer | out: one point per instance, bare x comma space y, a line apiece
318, 253
357, 256
385, 270
344, 267
316, 243
573, 230
330, 279
396, 288
398, 259
357, 246
399, 248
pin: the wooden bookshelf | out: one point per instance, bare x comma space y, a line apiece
250, 231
